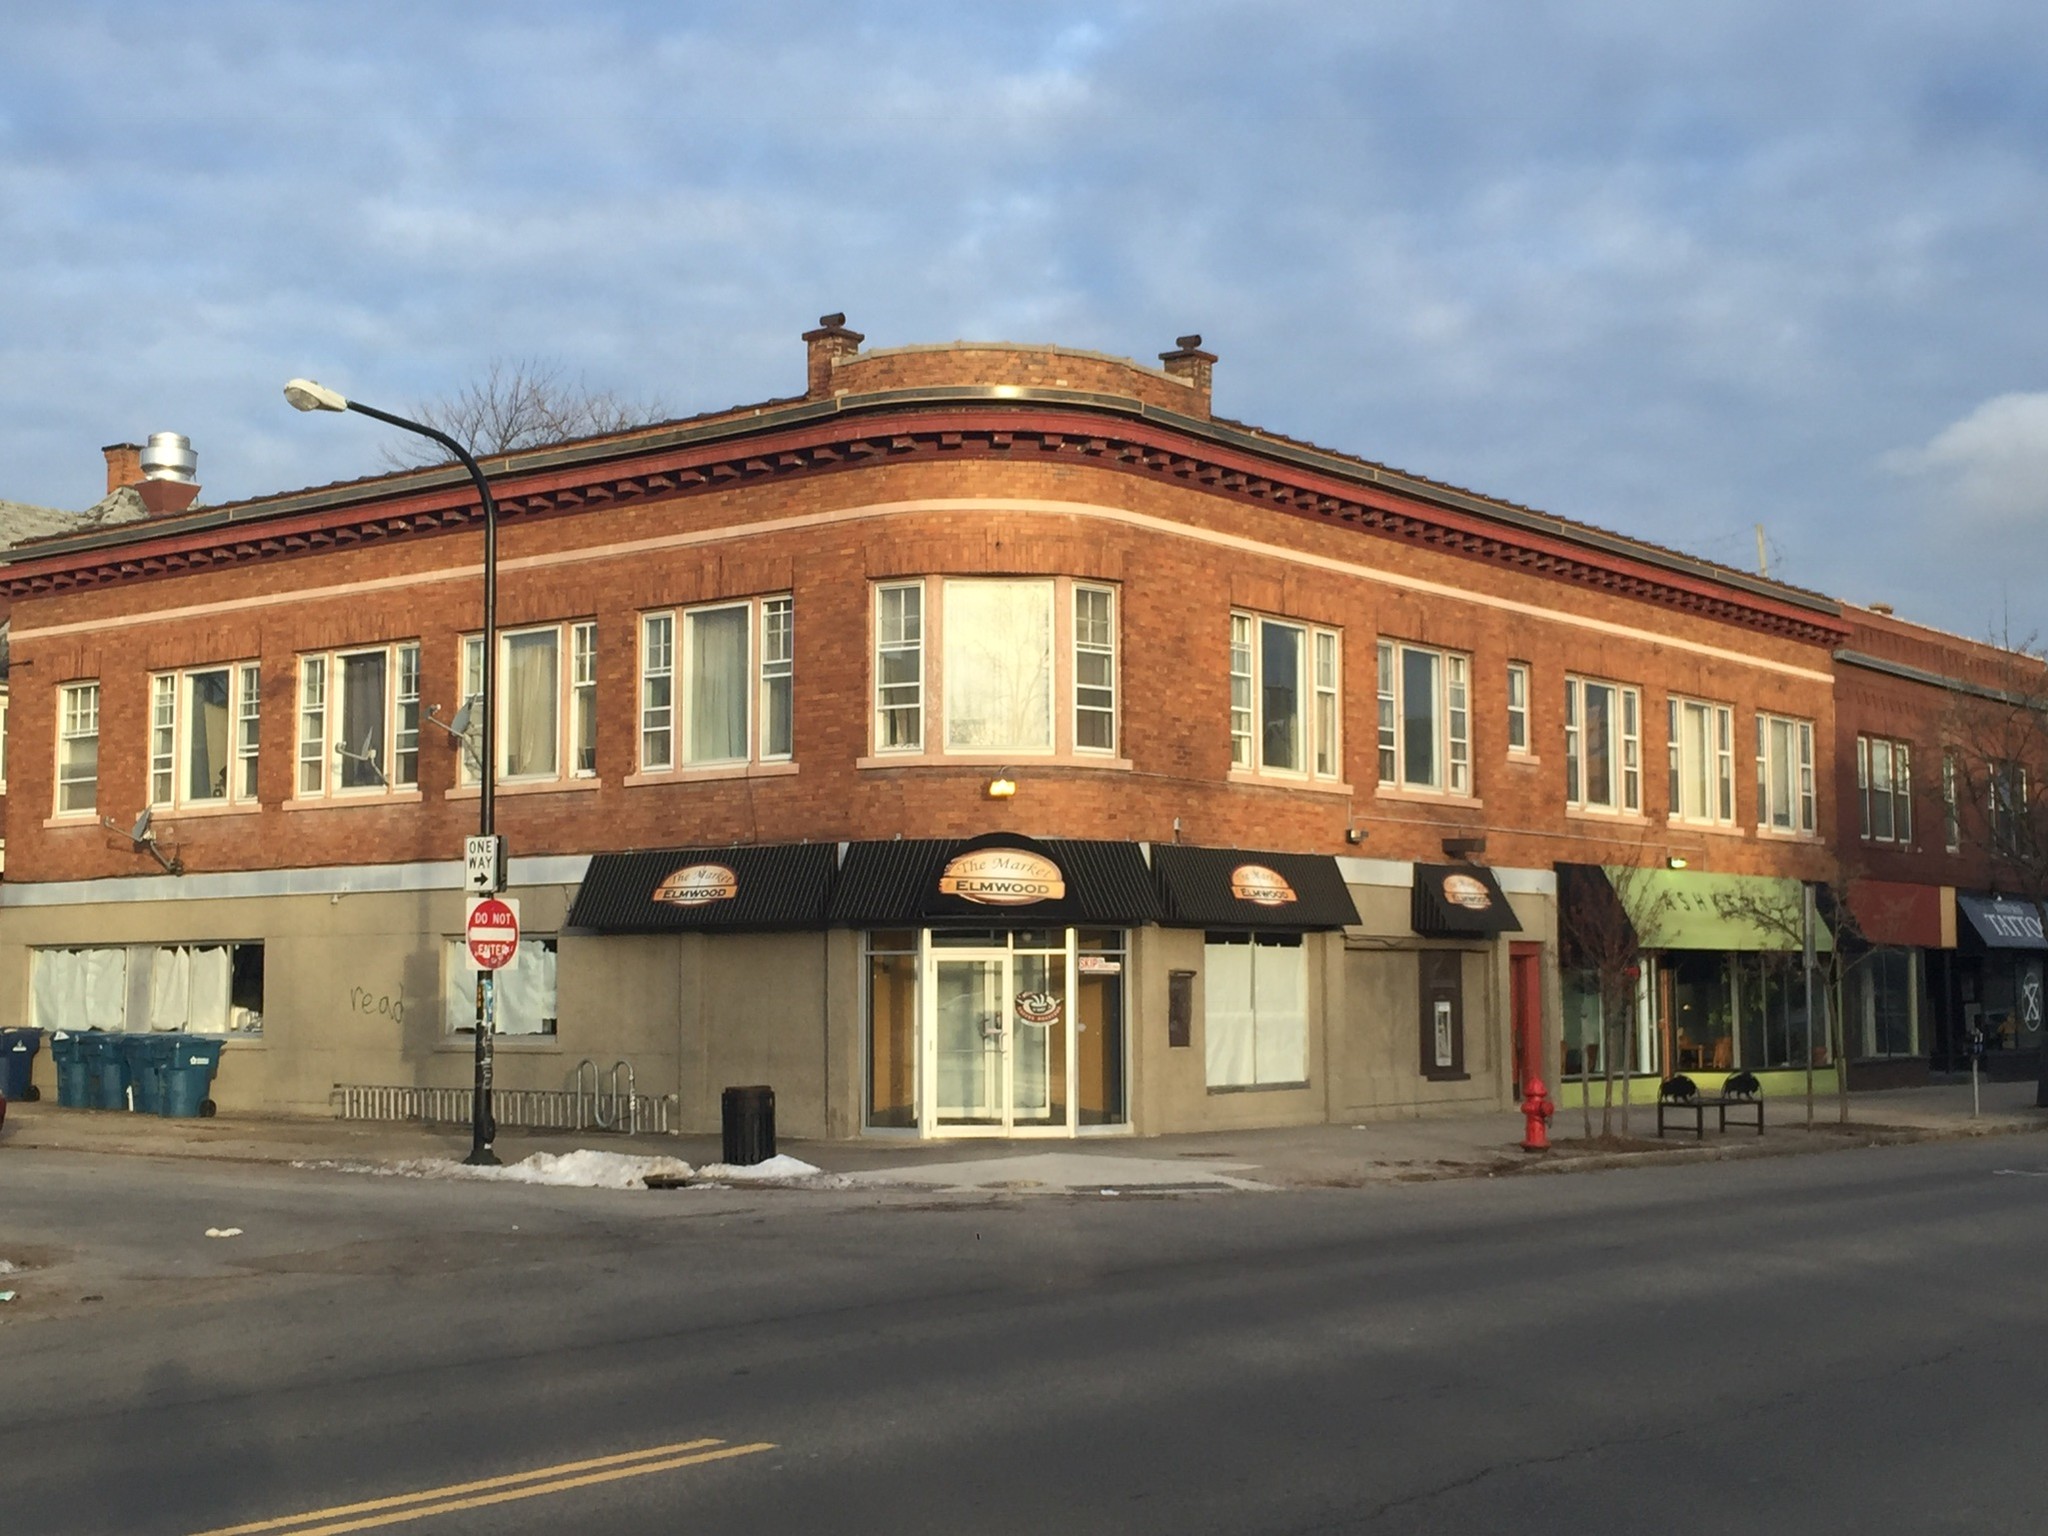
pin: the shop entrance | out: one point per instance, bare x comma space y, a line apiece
997, 1042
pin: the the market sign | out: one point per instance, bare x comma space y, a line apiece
1002, 877
1464, 891
1261, 886
698, 885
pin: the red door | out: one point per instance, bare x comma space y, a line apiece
1525, 1004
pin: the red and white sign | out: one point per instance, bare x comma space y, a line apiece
492, 930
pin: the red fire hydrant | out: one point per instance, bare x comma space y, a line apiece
1539, 1109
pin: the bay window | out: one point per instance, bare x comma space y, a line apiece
735, 662
1006, 666
1424, 718
203, 736
1602, 746
1784, 774
78, 748
1284, 715
546, 715
358, 719
1884, 788
1702, 744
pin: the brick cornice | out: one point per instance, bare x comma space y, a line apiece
955, 422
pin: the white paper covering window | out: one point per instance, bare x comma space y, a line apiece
525, 995
186, 988
1255, 1010
998, 665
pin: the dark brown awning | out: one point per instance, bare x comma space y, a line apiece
760, 889
1002, 879
1452, 900
1242, 888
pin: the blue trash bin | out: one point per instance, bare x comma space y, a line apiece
193, 1061
67, 1053
149, 1058
106, 1070
18, 1049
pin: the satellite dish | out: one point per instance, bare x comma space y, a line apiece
141, 832
460, 724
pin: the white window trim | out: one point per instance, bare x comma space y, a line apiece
180, 681
1898, 760
679, 764
1305, 694
1527, 748
1804, 820
330, 789
1114, 650
1951, 804
1720, 721
1625, 752
877, 743
471, 652
1453, 747
59, 783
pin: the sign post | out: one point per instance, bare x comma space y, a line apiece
491, 931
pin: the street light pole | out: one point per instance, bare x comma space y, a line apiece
305, 395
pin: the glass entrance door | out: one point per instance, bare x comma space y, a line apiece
999, 1039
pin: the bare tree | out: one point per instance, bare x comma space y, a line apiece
1605, 928
520, 403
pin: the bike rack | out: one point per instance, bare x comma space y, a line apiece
631, 1101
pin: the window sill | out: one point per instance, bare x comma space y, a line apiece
1777, 836
529, 787
353, 802
1444, 1075
1426, 796
1313, 786
1015, 761
1215, 1088
710, 772
188, 812
1524, 759
1705, 828
86, 819
529, 1045
1606, 818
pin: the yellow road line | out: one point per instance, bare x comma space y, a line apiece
623, 1465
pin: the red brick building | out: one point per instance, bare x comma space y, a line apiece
1296, 743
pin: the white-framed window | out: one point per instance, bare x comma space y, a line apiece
1255, 1009
715, 684
1424, 718
1951, 803
523, 997
1518, 707
1603, 746
2008, 808
546, 710
359, 721
78, 748
201, 988
3, 739
899, 667
203, 736
1278, 722
1884, 789
1784, 774
1702, 747
1094, 669
995, 667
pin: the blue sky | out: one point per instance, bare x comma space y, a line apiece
1671, 269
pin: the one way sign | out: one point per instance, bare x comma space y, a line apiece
483, 865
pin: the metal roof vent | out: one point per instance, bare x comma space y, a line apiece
169, 456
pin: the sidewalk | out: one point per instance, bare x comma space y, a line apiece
1299, 1157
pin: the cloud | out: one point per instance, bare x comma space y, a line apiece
1990, 469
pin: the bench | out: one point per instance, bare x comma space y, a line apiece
1677, 1105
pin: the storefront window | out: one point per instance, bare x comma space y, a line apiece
203, 989
1255, 1009
1774, 1025
1700, 1023
1581, 1024
1883, 1004
892, 1030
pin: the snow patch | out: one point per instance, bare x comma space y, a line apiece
782, 1166
581, 1169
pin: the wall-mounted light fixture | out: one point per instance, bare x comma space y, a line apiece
1674, 862
1002, 786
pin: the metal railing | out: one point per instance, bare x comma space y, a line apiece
621, 1109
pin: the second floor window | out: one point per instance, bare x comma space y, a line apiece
1281, 676
1784, 774
1951, 804
1424, 718
716, 684
78, 747
1603, 747
204, 727
1518, 706
2008, 785
1884, 786
359, 721
547, 703
1702, 762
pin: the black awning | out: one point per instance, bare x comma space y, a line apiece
682, 890
1591, 921
2000, 922
1451, 900
1240, 888
1001, 880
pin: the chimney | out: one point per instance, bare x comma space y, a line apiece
1188, 361
170, 474
1883, 608
823, 347
124, 465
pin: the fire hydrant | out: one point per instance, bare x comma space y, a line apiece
1539, 1109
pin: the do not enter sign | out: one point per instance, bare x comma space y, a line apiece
492, 932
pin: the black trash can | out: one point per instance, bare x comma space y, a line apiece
18, 1049
749, 1115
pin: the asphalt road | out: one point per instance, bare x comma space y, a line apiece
1850, 1342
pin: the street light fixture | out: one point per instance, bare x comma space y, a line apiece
305, 395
